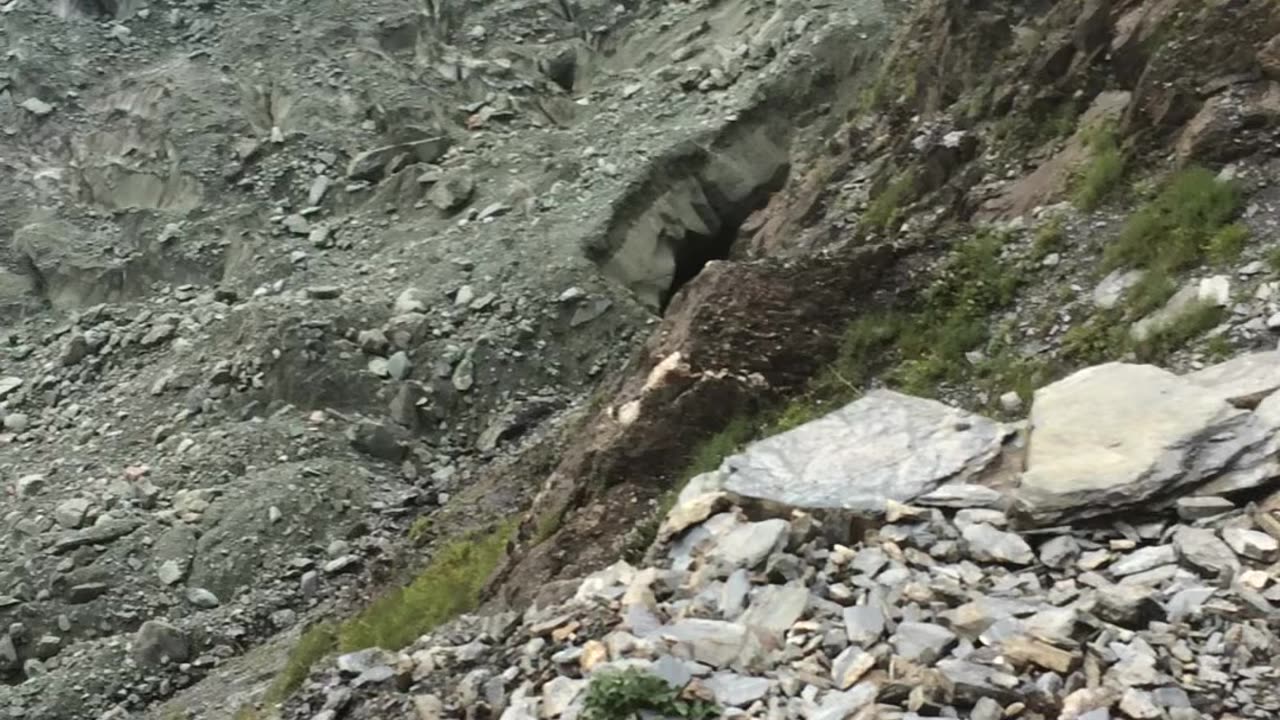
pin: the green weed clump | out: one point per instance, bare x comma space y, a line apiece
1189, 325
1049, 238
317, 642
633, 693
449, 586
1226, 245
884, 213
1174, 230
1104, 170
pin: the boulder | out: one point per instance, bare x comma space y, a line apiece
1118, 435
157, 642
884, 446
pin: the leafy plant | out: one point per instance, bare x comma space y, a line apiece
1172, 231
1104, 170
628, 693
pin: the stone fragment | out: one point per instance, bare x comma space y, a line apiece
775, 608
864, 624
987, 544
1060, 552
714, 642
749, 544
1112, 288
1144, 559
1203, 550
71, 513
1139, 705
921, 642
850, 665
1202, 506
157, 642
559, 694
1115, 435
1251, 543
1022, 650
733, 690
884, 446
202, 598
962, 495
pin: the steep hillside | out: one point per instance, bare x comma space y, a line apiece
326, 323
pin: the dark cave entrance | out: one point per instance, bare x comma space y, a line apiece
693, 250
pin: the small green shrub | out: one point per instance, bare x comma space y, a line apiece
1048, 239
633, 693
1150, 293
1103, 172
1104, 336
1172, 231
1226, 245
317, 642
1195, 321
449, 586
884, 212
1273, 260
1218, 348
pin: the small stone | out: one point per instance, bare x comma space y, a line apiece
748, 545
1203, 506
1139, 705
1011, 402
559, 694
71, 514
1060, 552
922, 643
864, 624
36, 106
987, 544
986, 709
398, 365
202, 598
16, 422
324, 292
733, 690
1144, 559
1201, 549
157, 642
29, 485
170, 572
1251, 544
850, 665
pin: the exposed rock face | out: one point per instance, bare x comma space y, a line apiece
885, 446
1119, 435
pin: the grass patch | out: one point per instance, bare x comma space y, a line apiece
1101, 337
1226, 244
1218, 348
1150, 293
1190, 324
633, 693
1273, 260
317, 642
1104, 170
1049, 238
421, 530
1172, 232
884, 212
449, 586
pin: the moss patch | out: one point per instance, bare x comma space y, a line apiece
449, 586
1102, 174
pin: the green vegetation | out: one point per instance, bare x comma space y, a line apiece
1226, 245
1273, 260
634, 693
1218, 348
884, 212
1189, 325
421, 530
1049, 238
1102, 174
1103, 336
317, 642
1150, 293
449, 586
1174, 230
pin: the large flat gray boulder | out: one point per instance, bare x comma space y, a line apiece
1118, 435
884, 446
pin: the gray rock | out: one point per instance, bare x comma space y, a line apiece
1139, 705
559, 694
674, 671
962, 495
29, 485
371, 165
1115, 435
1203, 550
8, 384
1251, 543
17, 422
452, 192
398, 365
1244, 381
97, 534
324, 292
170, 572
991, 545
713, 642
884, 446
1128, 605
202, 598
850, 665
864, 624
71, 513
1111, 289
732, 690
921, 642
1059, 552
749, 544
986, 709
1144, 559
36, 106
775, 608
839, 705
1197, 507
157, 642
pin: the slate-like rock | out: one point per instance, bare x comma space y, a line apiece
1243, 381
1251, 543
157, 641
1201, 548
1143, 559
884, 446
991, 545
923, 643
1116, 435
749, 544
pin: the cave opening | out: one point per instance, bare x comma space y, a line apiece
693, 249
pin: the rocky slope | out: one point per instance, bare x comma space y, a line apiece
291, 298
